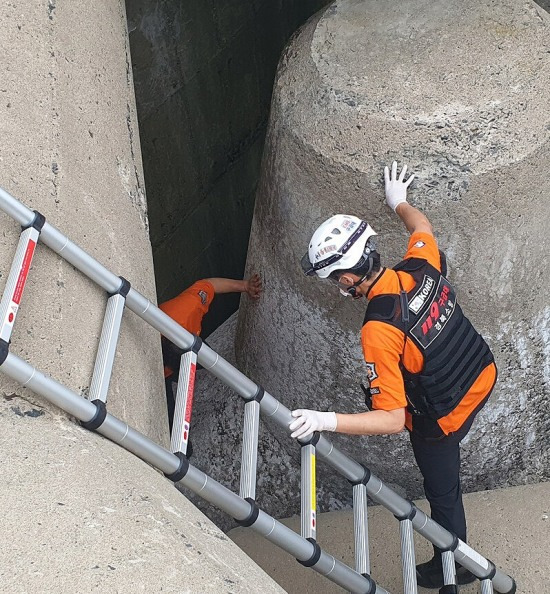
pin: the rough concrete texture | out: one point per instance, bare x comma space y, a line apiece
204, 73
459, 92
88, 516
515, 537
71, 150
81, 514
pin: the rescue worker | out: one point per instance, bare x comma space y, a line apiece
188, 310
427, 368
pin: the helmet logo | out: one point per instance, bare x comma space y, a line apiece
325, 250
348, 224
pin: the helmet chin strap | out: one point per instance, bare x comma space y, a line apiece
352, 290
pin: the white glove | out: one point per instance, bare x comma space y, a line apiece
308, 421
396, 188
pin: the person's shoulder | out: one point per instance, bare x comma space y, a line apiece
203, 289
381, 336
424, 245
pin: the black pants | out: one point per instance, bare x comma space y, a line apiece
439, 463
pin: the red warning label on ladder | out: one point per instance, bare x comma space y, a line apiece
22, 279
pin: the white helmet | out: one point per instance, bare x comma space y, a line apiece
340, 243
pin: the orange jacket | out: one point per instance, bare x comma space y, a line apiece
189, 308
385, 347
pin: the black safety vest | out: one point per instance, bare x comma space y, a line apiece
454, 353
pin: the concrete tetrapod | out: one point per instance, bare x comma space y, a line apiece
460, 93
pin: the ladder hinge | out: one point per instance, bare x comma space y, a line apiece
410, 515
124, 288
314, 557
182, 468
252, 516
37, 223
100, 415
364, 480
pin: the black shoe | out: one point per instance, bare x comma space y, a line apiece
430, 574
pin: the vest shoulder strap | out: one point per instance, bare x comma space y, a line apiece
410, 264
382, 308
413, 264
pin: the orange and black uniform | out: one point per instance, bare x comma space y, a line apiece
422, 354
188, 310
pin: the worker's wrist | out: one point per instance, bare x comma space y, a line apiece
398, 204
331, 421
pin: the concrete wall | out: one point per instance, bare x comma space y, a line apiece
204, 73
461, 94
80, 513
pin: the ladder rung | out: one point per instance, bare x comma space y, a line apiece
361, 528
449, 570
106, 351
184, 402
249, 459
407, 556
308, 523
17, 278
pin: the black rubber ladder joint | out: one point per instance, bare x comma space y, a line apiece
182, 469
314, 440
252, 516
364, 480
37, 223
409, 515
514, 586
453, 546
100, 415
260, 392
372, 583
196, 346
124, 288
4, 351
316, 555
492, 571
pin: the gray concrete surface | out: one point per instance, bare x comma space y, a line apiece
459, 92
70, 148
203, 74
88, 516
509, 526
79, 513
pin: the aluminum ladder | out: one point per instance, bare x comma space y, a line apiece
92, 413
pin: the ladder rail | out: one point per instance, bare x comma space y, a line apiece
180, 470
247, 389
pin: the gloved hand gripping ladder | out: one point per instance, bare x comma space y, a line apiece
94, 415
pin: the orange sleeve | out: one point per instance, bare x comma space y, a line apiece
382, 346
189, 307
423, 245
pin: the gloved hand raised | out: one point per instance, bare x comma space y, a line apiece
309, 421
396, 188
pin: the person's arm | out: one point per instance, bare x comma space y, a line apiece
414, 220
375, 422
252, 286
396, 198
